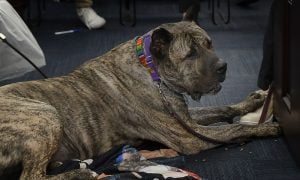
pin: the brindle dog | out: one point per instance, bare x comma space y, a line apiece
112, 100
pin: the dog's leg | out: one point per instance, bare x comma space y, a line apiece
37, 158
31, 137
38, 151
181, 138
210, 115
188, 143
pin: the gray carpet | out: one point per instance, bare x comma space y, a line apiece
238, 43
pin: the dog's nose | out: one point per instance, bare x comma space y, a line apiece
222, 67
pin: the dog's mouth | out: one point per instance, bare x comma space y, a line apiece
214, 90
196, 96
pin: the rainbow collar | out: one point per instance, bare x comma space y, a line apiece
144, 55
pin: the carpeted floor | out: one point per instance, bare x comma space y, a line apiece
238, 43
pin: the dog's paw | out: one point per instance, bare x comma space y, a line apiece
89, 174
254, 101
257, 97
259, 94
78, 174
269, 129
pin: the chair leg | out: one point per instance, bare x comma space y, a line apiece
228, 12
213, 12
39, 11
129, 8
212, 2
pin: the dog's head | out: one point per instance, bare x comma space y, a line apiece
186, 59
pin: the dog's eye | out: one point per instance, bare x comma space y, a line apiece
207, 44
192, 54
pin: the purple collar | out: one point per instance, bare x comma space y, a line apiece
145, 57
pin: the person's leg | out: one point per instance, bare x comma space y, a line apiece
87, 15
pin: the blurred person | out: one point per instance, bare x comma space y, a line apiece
88, 15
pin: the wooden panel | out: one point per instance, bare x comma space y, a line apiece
287, 74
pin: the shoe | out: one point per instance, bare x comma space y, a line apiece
90, 18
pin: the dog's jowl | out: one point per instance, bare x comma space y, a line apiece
131, 93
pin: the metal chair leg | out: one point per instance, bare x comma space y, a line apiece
228, 12
213, 12
212, 2
39, 11
129, 7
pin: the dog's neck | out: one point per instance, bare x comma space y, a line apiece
145, 57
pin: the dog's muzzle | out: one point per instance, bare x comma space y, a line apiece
221, 70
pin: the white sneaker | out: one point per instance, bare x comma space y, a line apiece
90, 18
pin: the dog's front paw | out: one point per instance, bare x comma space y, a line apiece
254, 101
269, 129
257, 96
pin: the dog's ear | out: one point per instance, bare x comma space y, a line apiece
192, 12
160, 41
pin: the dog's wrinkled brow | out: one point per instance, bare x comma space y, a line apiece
181, 46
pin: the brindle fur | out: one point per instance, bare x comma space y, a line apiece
112, 100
